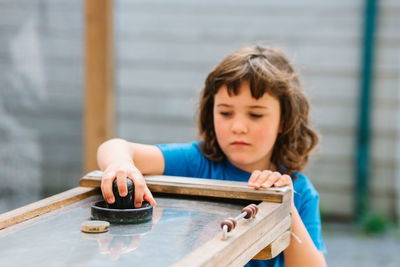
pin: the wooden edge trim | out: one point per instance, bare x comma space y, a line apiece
90, 182
210, 191
244, 242
45, 205
202, 187
264, 242
276, 247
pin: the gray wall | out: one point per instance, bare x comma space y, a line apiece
165, 49
41, 83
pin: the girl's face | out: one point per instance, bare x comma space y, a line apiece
246, 128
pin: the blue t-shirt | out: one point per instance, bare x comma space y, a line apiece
187, 160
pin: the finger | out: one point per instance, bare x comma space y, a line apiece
148, 196
106, 187
121, 182
262, 178
272, 178
285, 180
108, 174
140, 185
253, 178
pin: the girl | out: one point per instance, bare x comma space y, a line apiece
254, 127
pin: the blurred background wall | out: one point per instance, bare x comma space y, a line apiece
41, 89
164, 51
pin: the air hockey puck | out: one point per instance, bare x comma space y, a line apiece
95, 226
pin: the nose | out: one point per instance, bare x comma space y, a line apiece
239, 127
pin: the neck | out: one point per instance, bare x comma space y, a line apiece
257, 166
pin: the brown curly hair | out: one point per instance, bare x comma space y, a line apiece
268, 71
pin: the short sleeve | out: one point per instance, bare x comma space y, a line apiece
181, 159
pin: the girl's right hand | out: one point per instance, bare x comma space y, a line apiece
121, 171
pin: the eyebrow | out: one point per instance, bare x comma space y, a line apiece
257, 106
253, 106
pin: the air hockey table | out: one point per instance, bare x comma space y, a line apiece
184, 230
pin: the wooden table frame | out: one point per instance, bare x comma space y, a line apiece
262, 237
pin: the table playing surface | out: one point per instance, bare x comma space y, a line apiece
184, 230
178, 226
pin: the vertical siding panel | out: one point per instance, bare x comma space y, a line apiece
165, 49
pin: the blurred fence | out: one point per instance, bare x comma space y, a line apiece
164, 51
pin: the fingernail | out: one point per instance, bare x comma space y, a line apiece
267, 184
138, 204
110, 200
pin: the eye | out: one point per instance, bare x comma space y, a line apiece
256, 115
225, 114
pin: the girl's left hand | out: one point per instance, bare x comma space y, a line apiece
266, 179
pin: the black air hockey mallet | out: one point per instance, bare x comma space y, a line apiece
122, 211
229, 224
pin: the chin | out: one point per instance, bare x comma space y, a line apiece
243, 161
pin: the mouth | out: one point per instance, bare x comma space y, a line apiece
240, 143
